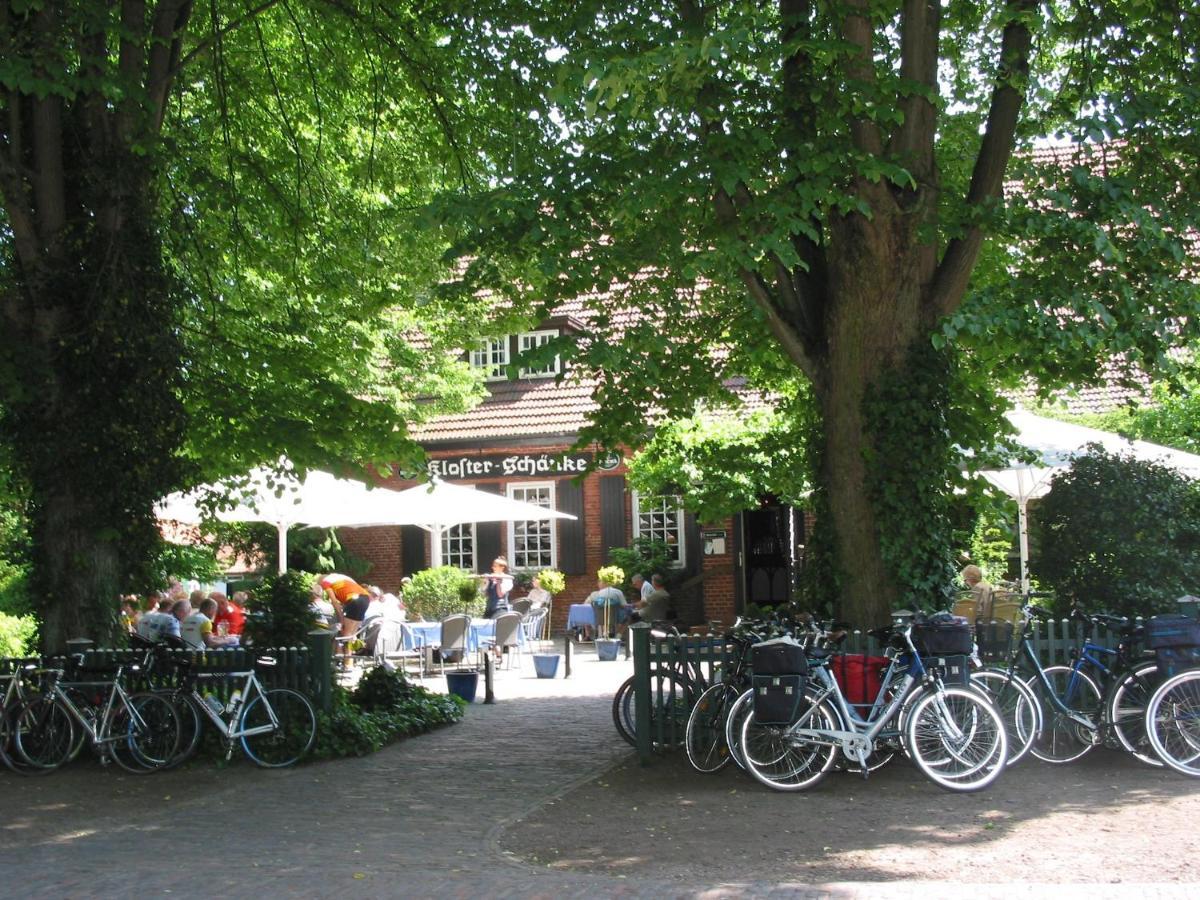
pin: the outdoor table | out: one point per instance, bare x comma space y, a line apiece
581, 615
423, 634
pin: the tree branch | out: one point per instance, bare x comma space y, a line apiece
857, 30
210, 40
987, 179
166, 40
913, 141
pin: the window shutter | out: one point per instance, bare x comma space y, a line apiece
412, 549
612, 514
692, 545
487, 534
572, 558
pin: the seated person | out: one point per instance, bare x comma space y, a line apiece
156, 623
657, 605
605, 597
229, 612
981, 592
326, 610
538, 596
197, 629
393, 608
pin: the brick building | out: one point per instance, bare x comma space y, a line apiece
517, 443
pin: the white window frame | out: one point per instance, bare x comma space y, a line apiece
491, 355
529, 340
449, 558
680, 523
511, 489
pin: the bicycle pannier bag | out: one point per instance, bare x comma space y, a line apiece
1175, 641
779, 657
954, 670
859, 676
946, 637
777, 698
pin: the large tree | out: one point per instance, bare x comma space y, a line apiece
210, 258
817, 181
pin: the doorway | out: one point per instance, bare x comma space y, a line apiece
770, 537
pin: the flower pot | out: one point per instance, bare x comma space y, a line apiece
463, 684
546, 664
606, 648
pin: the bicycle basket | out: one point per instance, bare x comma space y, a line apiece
1175, 641
953, 670
779, 657
943, 638
777, 698
995, 639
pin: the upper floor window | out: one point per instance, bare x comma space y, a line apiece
491, 355
531, 340
660, 519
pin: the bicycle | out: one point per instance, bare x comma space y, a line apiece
673, 687
708, 748
1172, 722
276, 726
1073, 713
12, 698
139, 731
953, 733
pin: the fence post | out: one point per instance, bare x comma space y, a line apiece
567, 655
641, 690
320, 667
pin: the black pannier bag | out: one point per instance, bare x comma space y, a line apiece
954, 670
782, 656
1175, 641
777, 698
943, 637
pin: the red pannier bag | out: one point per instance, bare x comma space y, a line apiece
859, 676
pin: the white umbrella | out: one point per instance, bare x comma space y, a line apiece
438, 505
320, 499
1055, 444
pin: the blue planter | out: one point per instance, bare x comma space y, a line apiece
546, 664
606, 649
463, 684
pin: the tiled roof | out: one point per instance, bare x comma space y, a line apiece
526, 408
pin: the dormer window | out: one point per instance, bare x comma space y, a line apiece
531, 340
491, 355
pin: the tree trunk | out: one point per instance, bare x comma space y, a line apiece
877, 273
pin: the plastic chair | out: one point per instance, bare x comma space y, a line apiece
394, 643
532, 624
522, 605
507, 636
455, 629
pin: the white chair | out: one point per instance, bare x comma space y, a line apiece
395, 643
507, 636
531, 625
455, 630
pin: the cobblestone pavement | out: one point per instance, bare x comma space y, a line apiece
428, 817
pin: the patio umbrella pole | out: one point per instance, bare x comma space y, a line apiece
1023, 531
282, 537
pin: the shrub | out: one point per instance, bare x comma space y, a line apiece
17, 634
436, 593
282, 611
647, 557
383, 708
1119, 535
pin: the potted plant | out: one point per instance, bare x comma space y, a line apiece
553, 582
609, 577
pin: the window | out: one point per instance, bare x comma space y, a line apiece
660, 519
532, 340
458, 546
491, 355
531, 543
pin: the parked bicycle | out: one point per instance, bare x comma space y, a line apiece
138, 731
952, 732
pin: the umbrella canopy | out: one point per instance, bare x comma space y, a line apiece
438, 505
319, 499
1056, 444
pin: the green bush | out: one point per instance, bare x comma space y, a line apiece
17, 634
436, 593
647, 557
383, 708
282, 611
552, 581
1119, 535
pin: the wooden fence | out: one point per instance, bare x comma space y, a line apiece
306, 669
671, 672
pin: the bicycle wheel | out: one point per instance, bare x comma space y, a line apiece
1062, 740
1126, 710
8, 750
191, 726
1173, 722
293, 736
43, 733
1017, 705
669, 709
704, 738
780, 759
738, 710
144, 742
957, 739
